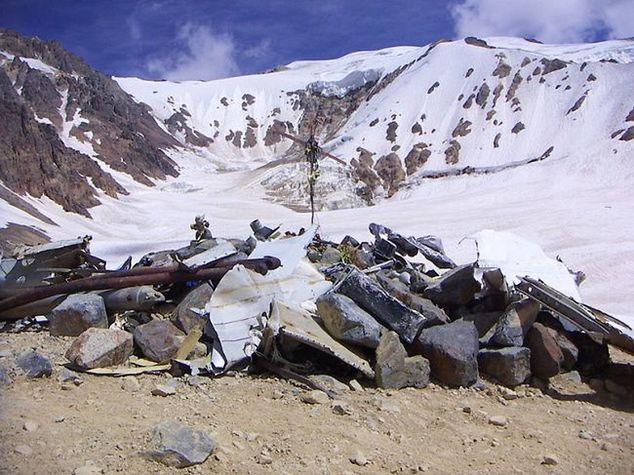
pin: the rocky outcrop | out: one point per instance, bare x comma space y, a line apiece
390, 169
123, 133
417, 157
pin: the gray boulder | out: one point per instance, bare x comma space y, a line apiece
76, 314
158, 340
346, 321
185, 315
456, 287
510, 366
452, 350
382, 306
394, 369
546, 356
515, 323
99, 348
180, 446
33, 364
330, 256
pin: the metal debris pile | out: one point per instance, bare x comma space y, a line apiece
393, 312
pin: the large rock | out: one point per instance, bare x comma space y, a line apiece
346, 321
452, 350
99, 348
186, 316
400, 291
510, 366
158, 340
76, 314
454, 288
394, 369
515, 323
180, 446
568, 349
546, 356
382, 306
34, 365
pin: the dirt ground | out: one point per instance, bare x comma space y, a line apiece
261, 425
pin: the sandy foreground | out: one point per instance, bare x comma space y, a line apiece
261, 425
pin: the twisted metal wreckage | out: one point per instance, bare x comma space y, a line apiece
264, 292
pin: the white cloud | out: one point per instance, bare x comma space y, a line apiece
551, 21
201, 54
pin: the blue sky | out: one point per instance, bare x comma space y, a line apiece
201, 39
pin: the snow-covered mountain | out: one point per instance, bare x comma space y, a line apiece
447, 138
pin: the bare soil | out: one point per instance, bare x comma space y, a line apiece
261, 425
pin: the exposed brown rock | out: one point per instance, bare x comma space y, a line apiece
577, 104
389, 168
417, 129
374, 122
502, 70
526, 61
552, 65
630, 116
433, 87
469, 72
515, 84
628, 135
177, 122
224, 101
473, 41
452, 153
417, 157
469, 102
462, 129
390, 134
496, 140
517, 128
490, 114
483, 95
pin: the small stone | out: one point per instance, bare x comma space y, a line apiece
30, 426
356, 386
549, 460
498, 421
332, 384
163, 390
59, 419
23, 450
264, 459
130, 384
341, 409
315, 397
466, 410
394, 369
585, 435
196, 381
67, 375
359, 459
180, 446
277, 395
508, 394
34, 365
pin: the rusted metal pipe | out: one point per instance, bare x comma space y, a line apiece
115, 281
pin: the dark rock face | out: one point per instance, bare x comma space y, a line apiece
34, 365
552, 65
473, 41
187, 319
515, 323
452, 350
510, 366
180, 446
99, 348
76, 314
628, 135
394, 369
346, 321
159, 340
390, 134
382, 306
483, 95
517, 128
462, 129
456, 287
546, 356
593, 356
129, 140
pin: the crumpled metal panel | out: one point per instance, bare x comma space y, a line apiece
298, 325
242, 299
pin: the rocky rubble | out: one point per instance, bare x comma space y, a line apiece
396, 312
